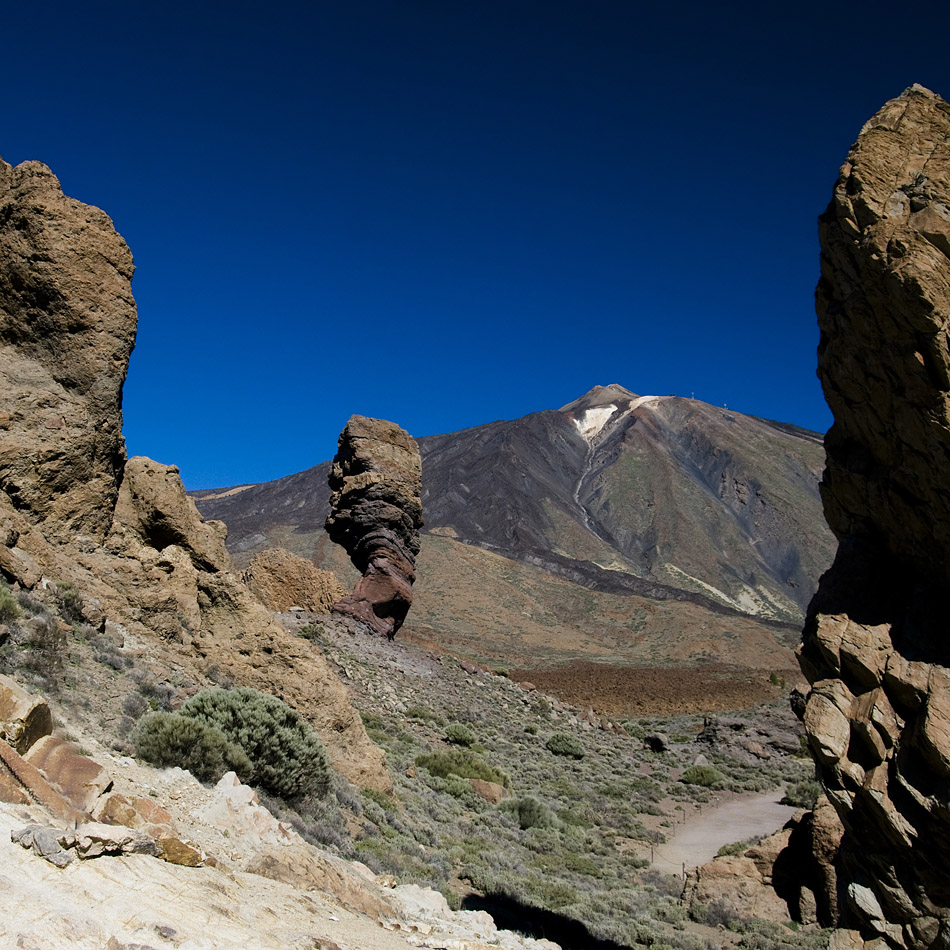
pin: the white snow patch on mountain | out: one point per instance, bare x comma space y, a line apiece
594, 419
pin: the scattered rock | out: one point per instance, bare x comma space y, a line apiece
176, 850
46, 842
375, 514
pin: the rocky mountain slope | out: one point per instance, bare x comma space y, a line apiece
618, 529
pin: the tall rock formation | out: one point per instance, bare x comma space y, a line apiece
375, 514
875, 647
124, 534
67, 326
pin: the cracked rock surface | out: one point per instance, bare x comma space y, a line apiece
875, 647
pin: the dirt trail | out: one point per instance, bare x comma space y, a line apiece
697, 840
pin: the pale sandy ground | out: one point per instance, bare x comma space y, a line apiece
697, 840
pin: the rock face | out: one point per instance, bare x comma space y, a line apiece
875, 647
282, 580
67, 326
124, 534
375, 514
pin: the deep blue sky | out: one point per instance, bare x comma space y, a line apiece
445, 213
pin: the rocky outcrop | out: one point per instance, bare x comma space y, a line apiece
67, 326
375, 514
125, 535
282, 580
875, 648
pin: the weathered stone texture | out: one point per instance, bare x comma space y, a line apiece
282, 580
67, 326
375, 514
875, 647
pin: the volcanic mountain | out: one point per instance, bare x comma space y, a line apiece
620, 529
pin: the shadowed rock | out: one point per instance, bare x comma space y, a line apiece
375, 514
875, 647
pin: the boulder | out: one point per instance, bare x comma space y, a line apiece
736, 885
36, 786
874, 647
490, 792
282, 580
375, 514
24, 718
80, 779
153, 506
139, 814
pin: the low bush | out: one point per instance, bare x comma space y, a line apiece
459, 734
287, 755
706, 776
9, 608
170, 739
802, 794
530, 813
563, 743
68, 602
462, 763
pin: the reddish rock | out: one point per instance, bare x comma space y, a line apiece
80, 779
36, 785
490, 792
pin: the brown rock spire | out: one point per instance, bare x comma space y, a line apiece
375, 514
875, 646
67, 326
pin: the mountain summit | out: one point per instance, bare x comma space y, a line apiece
623, 528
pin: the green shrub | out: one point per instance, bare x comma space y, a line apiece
563, 743
288, 757
459, 734
9, 608
69, 602
462, 763
802, 794
169, 739
735, 847
706, 776
423, 714
530, 813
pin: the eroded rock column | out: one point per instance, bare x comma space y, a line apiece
375, 514
876, 647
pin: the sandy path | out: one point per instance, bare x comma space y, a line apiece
697, 840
